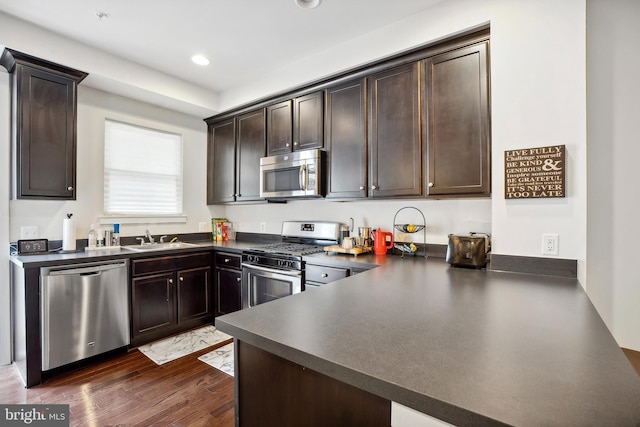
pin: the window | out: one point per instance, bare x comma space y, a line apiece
142, 170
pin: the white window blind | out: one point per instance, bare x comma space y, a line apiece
142, 170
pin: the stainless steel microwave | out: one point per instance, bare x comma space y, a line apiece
296, 174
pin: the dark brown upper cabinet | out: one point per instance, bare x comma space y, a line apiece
221, 160
308, 121
413, 125
234, 150
457, 122
346, 140
250, 147
395, 159
295, 124
280, 128
44, 98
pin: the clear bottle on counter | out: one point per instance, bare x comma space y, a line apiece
93, 237
100, 237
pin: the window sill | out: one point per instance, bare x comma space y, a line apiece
142, 219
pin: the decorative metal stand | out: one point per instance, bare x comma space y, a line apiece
409, 229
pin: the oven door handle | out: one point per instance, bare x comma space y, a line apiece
271, 270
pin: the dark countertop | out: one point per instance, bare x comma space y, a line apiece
55, 258
472, 347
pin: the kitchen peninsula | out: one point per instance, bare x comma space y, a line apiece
470, 347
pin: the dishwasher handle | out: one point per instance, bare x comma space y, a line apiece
84, 269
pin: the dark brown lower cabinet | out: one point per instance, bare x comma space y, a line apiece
194, 294
170, 294
153, 298
228, 283
273, 391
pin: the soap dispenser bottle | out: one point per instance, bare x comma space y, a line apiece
93, 237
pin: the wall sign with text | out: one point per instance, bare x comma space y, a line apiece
531, 173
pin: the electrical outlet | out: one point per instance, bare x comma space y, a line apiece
202, 226
550, 244
263, 227
29, 232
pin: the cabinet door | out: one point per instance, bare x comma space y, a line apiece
228, 291
221, 152
394, 133
346, 140
250, 148
153, 303
46, 148
308, 121
194, 294
279, 128
458, 124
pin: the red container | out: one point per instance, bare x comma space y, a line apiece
382, 241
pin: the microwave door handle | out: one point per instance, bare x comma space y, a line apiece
302, 177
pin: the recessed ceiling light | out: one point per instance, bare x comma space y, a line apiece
308, 4
200, 59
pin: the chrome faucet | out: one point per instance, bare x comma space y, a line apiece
148, 235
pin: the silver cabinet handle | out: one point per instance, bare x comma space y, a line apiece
170, 280
238, 279
431, 184
287, 145
362, 187
374, 187
181, 279
323, 275
226, 260
295, 144
231, 195
69, 188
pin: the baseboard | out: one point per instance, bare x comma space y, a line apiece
534, 265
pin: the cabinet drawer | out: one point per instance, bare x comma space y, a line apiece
322, 274
228, 260
169, 263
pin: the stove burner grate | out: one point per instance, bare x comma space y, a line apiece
296, 249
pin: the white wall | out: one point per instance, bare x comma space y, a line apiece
613, 69
442, 216
538, 99
94, 107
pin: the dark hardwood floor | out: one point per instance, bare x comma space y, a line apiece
131, 390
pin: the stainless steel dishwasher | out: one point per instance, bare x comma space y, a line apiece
84, 311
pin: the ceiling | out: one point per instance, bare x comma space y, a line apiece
241, 38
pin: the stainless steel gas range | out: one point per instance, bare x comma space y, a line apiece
276, 270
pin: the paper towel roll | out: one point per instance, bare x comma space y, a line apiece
68, 234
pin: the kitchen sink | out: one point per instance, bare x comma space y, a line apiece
148, 247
